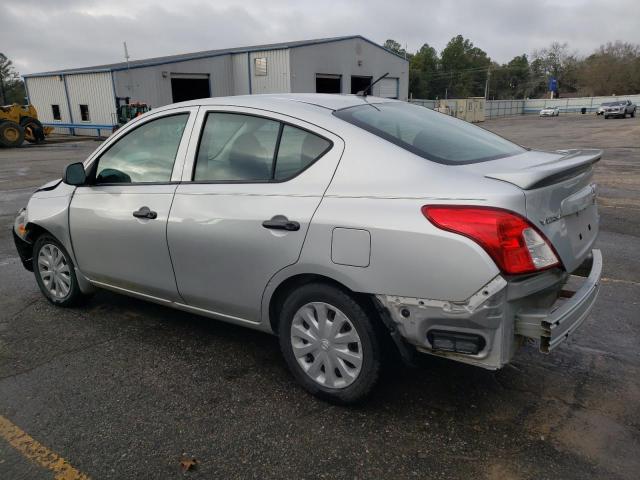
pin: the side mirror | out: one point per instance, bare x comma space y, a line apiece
74, 174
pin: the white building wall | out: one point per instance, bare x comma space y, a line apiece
355, 57
278, 77
47, 91
153, 84
96, 91
240, 73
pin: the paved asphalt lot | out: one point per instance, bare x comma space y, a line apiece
121, 388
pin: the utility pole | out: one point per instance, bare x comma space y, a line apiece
486, 84
126, 57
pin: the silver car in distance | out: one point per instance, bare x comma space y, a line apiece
346, 225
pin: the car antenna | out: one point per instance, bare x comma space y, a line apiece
363, 93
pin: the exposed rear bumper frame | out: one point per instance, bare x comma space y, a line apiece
552, 326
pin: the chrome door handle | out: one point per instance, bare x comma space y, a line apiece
280, 222
145, 212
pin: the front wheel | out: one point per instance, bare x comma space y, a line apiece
54, 272
329, 343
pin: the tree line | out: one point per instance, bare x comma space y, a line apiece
464, 70
11, 85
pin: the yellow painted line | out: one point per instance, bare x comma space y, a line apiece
38, 453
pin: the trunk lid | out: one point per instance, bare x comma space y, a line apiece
560, 196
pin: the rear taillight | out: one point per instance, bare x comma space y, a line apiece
512, 242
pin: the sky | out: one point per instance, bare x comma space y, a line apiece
41, 35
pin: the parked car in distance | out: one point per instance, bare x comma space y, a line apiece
345, 225
619, 109
550, 112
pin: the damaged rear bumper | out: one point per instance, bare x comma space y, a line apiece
487, 328
553, 325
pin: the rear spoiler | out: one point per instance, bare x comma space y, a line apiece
569, 165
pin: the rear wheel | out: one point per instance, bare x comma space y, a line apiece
329, 343
11, 134
633, 114
606, 117
54, 272
33, 130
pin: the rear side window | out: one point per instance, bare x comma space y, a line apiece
145, 154
244, 148
236, 148
429, 134
298, 149
55, 110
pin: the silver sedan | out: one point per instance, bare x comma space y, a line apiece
345, 225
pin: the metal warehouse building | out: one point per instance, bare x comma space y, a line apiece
85, 99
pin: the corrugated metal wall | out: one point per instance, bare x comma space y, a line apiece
353, 57
96, 91
47, 91
240, 71
153, 84
278, 77
503, 108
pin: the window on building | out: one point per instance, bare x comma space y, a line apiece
55, 109
84, 113
260, 67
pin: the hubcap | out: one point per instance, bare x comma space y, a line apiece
54, 271
326, 345
12, 134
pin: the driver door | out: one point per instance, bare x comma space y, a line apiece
118, 220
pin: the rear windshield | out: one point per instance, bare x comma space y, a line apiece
431, 135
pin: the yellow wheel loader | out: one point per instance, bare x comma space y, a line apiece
19, 123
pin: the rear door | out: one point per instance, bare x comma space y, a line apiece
249, 191
118, 221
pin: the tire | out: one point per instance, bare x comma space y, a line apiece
633, 114
350, 381
33, 129
44, 251
606, 117
11, 134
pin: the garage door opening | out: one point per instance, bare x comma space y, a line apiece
189, 87
328, 83
360, 83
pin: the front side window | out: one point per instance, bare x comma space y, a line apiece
243, 148
146, 154
429, 134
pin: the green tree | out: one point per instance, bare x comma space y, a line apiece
613, 68
395, 47
464, 68
11, 86
511, 80
423, 69
559, 62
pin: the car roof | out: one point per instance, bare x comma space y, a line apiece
285, 102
